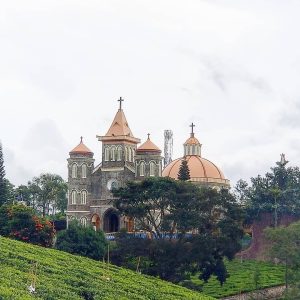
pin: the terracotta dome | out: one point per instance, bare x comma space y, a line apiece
82, 149
192, 141
202, 170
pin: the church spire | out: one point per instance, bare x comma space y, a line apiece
119, 129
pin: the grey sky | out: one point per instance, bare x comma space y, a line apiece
230, 66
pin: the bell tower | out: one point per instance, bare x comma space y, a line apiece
118, 144
80, 167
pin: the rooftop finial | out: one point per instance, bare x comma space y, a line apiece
192, 125
120, 100
81, 138
148, 136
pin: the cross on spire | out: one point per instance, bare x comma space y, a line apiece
148, 136
120, 100
81, 138
192, 125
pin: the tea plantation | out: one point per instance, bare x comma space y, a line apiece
65, 276
242, 278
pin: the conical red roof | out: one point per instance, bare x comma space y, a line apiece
81, 148
119, 126
119, 130
148, 146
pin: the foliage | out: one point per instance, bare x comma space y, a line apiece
10, 188
19, 222
277, 192
184, 171
81, 240
46, 193
64, 276
172, 210
244, 276
286, 248
3, 183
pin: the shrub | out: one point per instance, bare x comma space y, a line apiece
81, 240
19, 222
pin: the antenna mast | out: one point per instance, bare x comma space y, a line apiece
168, 148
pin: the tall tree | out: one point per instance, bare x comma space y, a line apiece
48, 193
194, 228
184, 171
277, 192
3, 183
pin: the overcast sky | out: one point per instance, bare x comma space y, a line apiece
230, 66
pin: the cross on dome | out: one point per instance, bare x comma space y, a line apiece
148, 136
120, 100
81, 138
192, 125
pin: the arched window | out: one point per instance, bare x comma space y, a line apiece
132, 154
129, 154
74, 171
113, 153
83, 171
119, 153
142, 169
152, 168
106, 154
83, 196
73, 197
193, 150
83, 221
126, 154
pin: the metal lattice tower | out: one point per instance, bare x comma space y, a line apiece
168, 148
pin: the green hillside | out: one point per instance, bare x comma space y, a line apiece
65, 276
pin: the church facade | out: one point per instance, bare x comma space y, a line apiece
89, 187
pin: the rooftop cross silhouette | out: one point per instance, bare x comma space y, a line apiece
121, 100
192, 125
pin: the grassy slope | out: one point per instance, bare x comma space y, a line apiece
66, 276
242, 278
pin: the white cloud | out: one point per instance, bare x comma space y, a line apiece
228, 66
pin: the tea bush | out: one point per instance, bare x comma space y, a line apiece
65, 276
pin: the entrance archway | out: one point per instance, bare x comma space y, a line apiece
96, 222
111, 221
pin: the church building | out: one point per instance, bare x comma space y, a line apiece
89, 187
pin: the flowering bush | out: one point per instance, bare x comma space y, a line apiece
20, 222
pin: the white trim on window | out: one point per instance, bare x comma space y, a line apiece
106, 154
126, 153
142, 168
83, 170
83, 221
74, 170
113, 153
119, 153
83, 197
73, 196
152, 168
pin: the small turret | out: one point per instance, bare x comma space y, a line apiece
148, 160
80, 167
